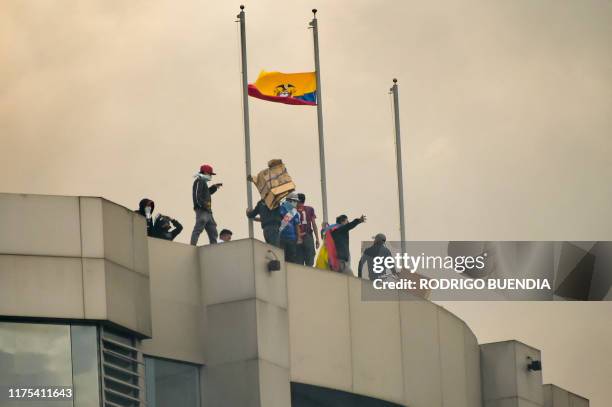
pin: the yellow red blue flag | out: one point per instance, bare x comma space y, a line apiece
288, 88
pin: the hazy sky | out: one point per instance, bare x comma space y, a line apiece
506, 110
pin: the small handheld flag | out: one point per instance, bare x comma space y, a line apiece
288, 88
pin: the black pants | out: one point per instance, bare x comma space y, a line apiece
290, 248
306, 250
271, 235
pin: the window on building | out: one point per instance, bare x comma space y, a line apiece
171, 383
306, 395
43, 355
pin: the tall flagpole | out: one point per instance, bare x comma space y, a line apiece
398, 161
245, 108
315, 36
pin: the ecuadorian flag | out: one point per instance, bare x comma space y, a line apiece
288, 88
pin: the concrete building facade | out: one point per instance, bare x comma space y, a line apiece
89, 302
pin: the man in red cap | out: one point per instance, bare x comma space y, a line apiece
202, 205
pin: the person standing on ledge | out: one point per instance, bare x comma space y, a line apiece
378, 249
340, 234
290, 233
307, 249
202, 205
270, 221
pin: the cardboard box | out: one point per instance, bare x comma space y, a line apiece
274, 183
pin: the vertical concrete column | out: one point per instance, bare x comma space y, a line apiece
248, 330
506, 379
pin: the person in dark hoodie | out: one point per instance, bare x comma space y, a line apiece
378, 249
162, 226
145, 208
202, 205
340, 234
270, 221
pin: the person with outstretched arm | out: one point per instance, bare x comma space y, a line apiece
340, 235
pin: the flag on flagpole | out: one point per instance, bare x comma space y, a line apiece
288, 88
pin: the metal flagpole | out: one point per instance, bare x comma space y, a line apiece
398, 159
245, 108
315, 36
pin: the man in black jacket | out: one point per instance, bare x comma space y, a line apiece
340, 234
163, 224
378, 249
270, 221
202, 205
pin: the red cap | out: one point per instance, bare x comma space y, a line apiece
207, 169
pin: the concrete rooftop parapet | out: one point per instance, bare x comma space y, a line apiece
74, 258
555, 396
409, 352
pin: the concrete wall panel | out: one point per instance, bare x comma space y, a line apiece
511, 402
175, 271
232, 332
243, 391
548, 398
118, 234
319, 329
140, 244
273, 334
40, 225
37, 286
555, 396
269, 286
94, 289
497, 362
274, 385
92, 227
526, 403
452, 357
376, 346
421, 354
176, 303
128, 298
472, 368
227, 271
529, 383
577, 401
177, 332
560, 398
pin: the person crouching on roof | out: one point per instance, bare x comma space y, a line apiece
145, 208
162, 226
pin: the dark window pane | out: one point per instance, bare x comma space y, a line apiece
171, 383
306, 395
85, 367
34, 355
